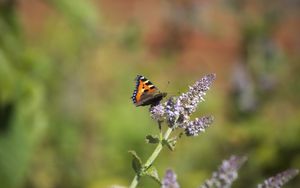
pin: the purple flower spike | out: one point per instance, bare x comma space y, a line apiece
226, 174
157, 112
193, 128
279, 180
177, 110
194, 96
170, 180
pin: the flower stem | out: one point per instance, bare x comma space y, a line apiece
151, 159
157, 150
134, 182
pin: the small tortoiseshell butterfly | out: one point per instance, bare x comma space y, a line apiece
146, 93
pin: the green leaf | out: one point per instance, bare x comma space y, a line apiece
79, 11
152, 172
150, 139
136, 162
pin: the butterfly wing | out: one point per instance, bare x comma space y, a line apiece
146, 93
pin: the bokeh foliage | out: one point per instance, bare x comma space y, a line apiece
65, 110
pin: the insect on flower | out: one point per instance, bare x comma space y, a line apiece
146, 93
178, 110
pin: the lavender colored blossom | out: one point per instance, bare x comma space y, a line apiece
157, 112
194, 96
177, 110
173, 112
280, 179
193, 128
226, 174
170, 180
187, 102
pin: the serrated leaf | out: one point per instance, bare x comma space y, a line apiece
152, 172
136, 162
152, 139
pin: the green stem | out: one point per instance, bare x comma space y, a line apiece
135, 181
157, 150
151, 159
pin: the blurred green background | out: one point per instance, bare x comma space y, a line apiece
67, 72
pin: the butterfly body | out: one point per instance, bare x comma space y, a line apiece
146, 93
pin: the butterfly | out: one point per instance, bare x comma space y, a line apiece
146, 93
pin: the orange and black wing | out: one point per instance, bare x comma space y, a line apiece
146, 93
